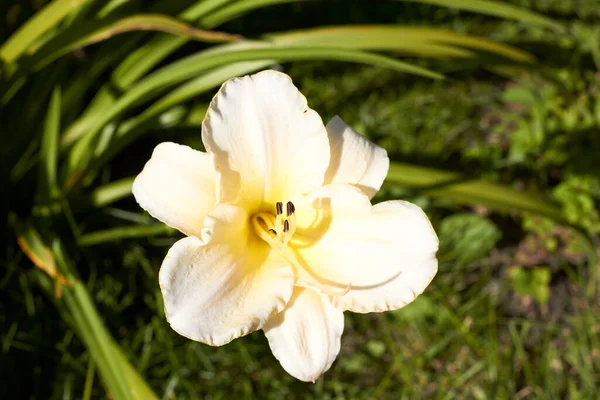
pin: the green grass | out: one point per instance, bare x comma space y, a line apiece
514, 311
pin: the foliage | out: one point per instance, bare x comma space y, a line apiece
501, 153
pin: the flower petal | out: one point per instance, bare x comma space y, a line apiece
342, 242
306, 336
177, 186
354, 159
268, 145
391, 295
217, 291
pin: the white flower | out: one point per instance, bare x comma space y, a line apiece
281, 232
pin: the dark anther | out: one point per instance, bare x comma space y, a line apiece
286, 226
290, 208
279, 207
273, 230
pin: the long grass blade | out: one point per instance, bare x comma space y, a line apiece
39, 24
418, 41
204, 61
463, 190
147, 57
90, 32
49, 147
125, 232
496, 9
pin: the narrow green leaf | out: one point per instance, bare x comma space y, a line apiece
103, 99
148, 56
126, 232
89, 381
187, 91
496, 9
419, 41
40, 23
464, 190
120, 378
237, 8
89, 32
49, 147
193, 65
111, 192
133, 128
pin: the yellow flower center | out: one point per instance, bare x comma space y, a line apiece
277, 230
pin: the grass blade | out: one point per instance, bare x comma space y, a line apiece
119, 377
496, 9
147, 57
463, 190
419, 41
90, 32
196, 64
111, 192
49, 147
124, 232
40, 23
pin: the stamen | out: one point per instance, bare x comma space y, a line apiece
278, 239
279, 208
290, 208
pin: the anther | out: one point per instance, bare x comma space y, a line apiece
290, 208
286, 226
273, 231
279, 207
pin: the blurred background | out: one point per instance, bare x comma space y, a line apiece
489, 110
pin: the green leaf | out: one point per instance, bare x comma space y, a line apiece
111, 192
496, 9
120, 378
534, 282
89, 32
465, 238
428, 42
49, 147
45, 20
124, 232
198, 63
237, 8
132, 128
148, 56
465, 190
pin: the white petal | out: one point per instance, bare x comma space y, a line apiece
177, 187
222, 290
343, 242
391, 295
306, 336
268, 145
354, 159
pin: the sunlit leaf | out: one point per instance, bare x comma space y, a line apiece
89, 32
46, 19
142, 60
431, 42
496, 9
125, 232
466, 190
193, 65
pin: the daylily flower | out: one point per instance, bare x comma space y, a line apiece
281, 233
